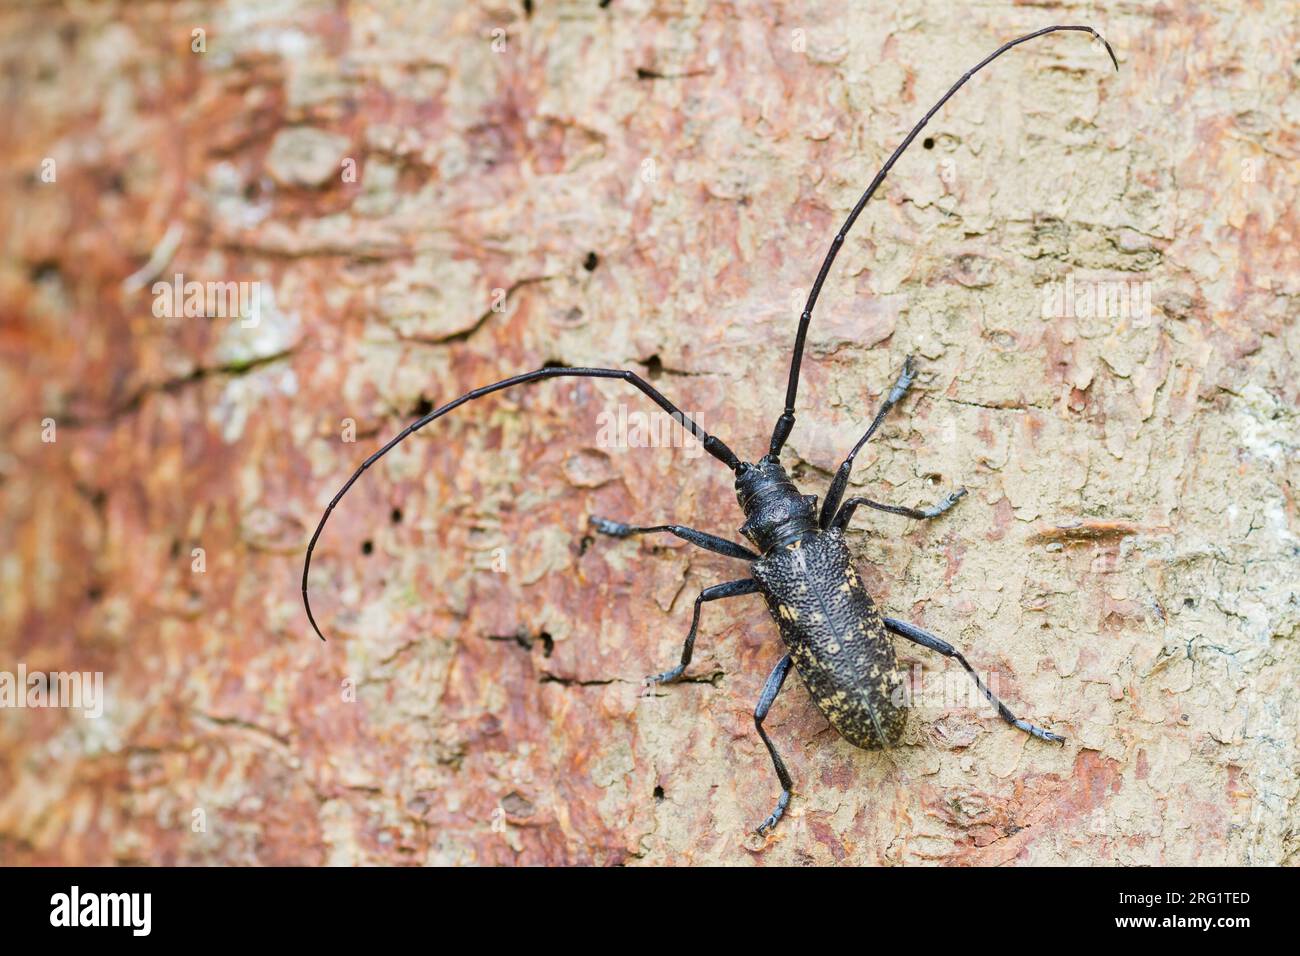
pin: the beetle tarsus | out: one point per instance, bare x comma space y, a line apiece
667, 677
615, 529
945, 503
1039, 732
905, 379
766, 826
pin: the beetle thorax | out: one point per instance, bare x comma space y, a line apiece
775, 511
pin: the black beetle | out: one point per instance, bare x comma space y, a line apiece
835, 637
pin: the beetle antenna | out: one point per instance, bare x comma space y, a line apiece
785, 423
713, 445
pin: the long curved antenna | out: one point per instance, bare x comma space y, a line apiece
785, 423
714, 446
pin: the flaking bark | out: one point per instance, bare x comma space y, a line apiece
648, 187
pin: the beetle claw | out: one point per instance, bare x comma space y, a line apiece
1035, 731
946, 502
615, 529
667, 677
766, 826
905, 379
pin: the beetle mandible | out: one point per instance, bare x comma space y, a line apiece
835, 637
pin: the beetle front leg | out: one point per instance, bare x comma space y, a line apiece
770, 690
923, 637
701, 539
841, 480
717, 592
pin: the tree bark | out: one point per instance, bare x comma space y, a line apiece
429, 198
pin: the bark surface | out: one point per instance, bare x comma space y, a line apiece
431, 197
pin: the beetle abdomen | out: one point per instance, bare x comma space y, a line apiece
836, 637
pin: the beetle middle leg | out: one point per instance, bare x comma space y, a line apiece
845, 514
765, 700
701, 539
717, 592
923, 637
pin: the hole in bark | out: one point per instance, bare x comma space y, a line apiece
548, 643
516, 804
654, 367
928, 142
1188, 602
528, 8
421, 407
96, 496
367, 546
659, 793
396, 516
584, 544
591, 262
43, 270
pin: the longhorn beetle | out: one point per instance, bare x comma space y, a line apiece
834, 636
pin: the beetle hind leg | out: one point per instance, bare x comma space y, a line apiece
923, 637
770, 690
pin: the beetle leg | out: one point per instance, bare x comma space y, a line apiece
923, 637
718, 591
845, 514
841, 480
709, 542
770, 690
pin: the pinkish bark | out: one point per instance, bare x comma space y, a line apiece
1125, 567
